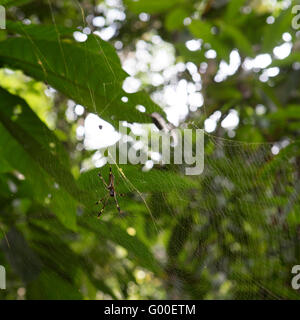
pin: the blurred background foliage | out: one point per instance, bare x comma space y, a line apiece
231, 68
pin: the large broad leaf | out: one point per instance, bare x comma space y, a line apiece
31, 148
233, 10
290, 112
135, 247
38, 32
240, 40
132, 178
10, 3
273, 33
21, 114
203, 30
49, 286
179, 236
153, 6
89, 73
42, 169
20, 255
174, 19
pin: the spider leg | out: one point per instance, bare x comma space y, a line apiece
101, 177
111, 178
101, 200
117, 203
104, 205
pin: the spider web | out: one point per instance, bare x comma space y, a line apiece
231, 236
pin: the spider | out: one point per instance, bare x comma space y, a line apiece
111, 192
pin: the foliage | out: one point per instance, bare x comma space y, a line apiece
229, 233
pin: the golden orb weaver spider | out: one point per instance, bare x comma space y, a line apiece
110, 187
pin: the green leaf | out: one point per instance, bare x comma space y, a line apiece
89, 73
194, 56
21, 256
241, 42
233, 10
273, 33
153, 6
49, 286
293, 57
13, 3
24, 143
179, 236
249, 133
38, 31
4, 166
174, 19
290, 112
203, 30
19, 111
153, 180
135, 247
